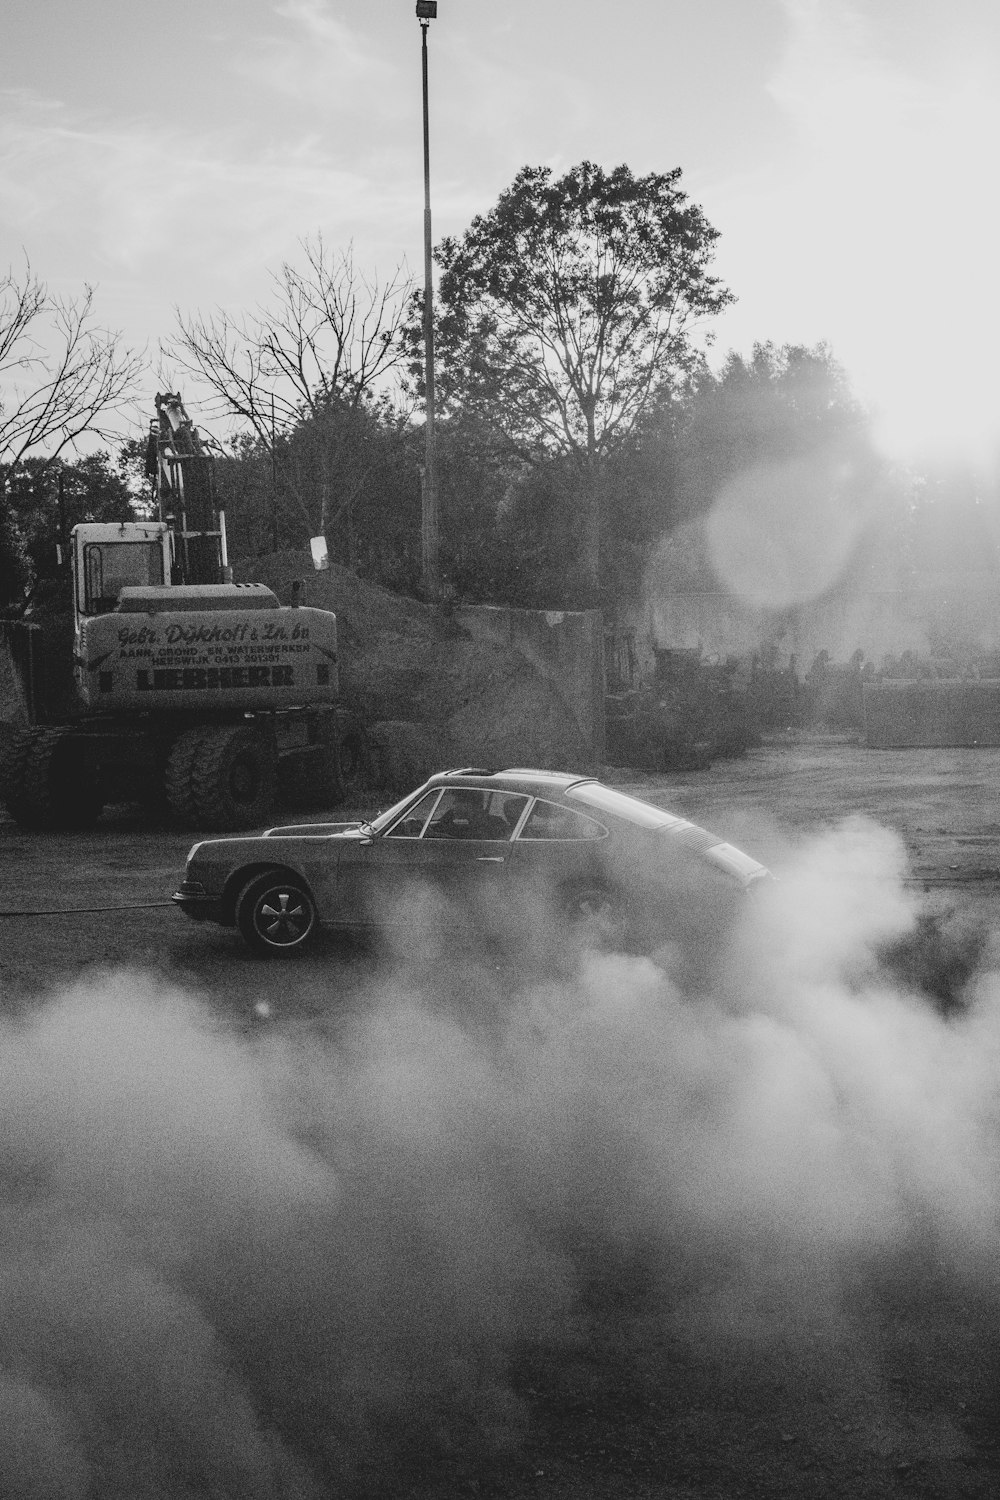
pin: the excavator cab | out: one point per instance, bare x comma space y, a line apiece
107, 557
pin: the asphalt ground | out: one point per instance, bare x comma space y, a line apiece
752, 1348
943, 804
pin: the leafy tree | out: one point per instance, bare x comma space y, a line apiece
14, 568
567, 316
952, 527
48, 497
776, 453
488, 551
782, 402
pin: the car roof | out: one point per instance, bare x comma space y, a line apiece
513, 779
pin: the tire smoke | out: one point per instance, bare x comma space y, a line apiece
296, 1262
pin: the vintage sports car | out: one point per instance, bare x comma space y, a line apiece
514, 850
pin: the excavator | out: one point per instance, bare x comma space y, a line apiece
147, 675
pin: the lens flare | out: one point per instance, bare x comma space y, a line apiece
781, 534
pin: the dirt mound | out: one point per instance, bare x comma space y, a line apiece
480, 702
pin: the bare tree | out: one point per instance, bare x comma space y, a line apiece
61, 374
330, 335
324, 347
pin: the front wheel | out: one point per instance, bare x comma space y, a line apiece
232, 777
276, 914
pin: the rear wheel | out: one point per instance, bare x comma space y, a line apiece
595, 917
276, 914
233, 777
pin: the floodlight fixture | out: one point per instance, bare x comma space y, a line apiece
426, 10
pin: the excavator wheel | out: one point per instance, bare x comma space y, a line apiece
179, 775
48, 784
233, 777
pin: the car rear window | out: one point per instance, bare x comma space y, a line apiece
548, 820
606, 799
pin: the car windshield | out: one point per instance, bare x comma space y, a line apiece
621, 805
383, 819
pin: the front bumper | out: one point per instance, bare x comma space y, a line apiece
196, 903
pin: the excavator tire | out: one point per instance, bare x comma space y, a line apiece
179, 776
48, 785
233, 778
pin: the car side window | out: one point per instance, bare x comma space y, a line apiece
547, 820
467, 813
411, 824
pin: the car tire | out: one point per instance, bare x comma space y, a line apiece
276, 914
595, 917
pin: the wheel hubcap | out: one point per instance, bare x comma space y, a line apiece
283, 917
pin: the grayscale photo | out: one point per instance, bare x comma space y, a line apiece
499, 750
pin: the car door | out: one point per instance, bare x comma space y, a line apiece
373, 869
557, 846
468, 844
456, 840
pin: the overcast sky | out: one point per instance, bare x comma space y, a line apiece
846, 150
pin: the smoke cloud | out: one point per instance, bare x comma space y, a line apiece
330, 1258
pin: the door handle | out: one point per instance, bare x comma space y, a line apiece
489, 859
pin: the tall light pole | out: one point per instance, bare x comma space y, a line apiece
426, 12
